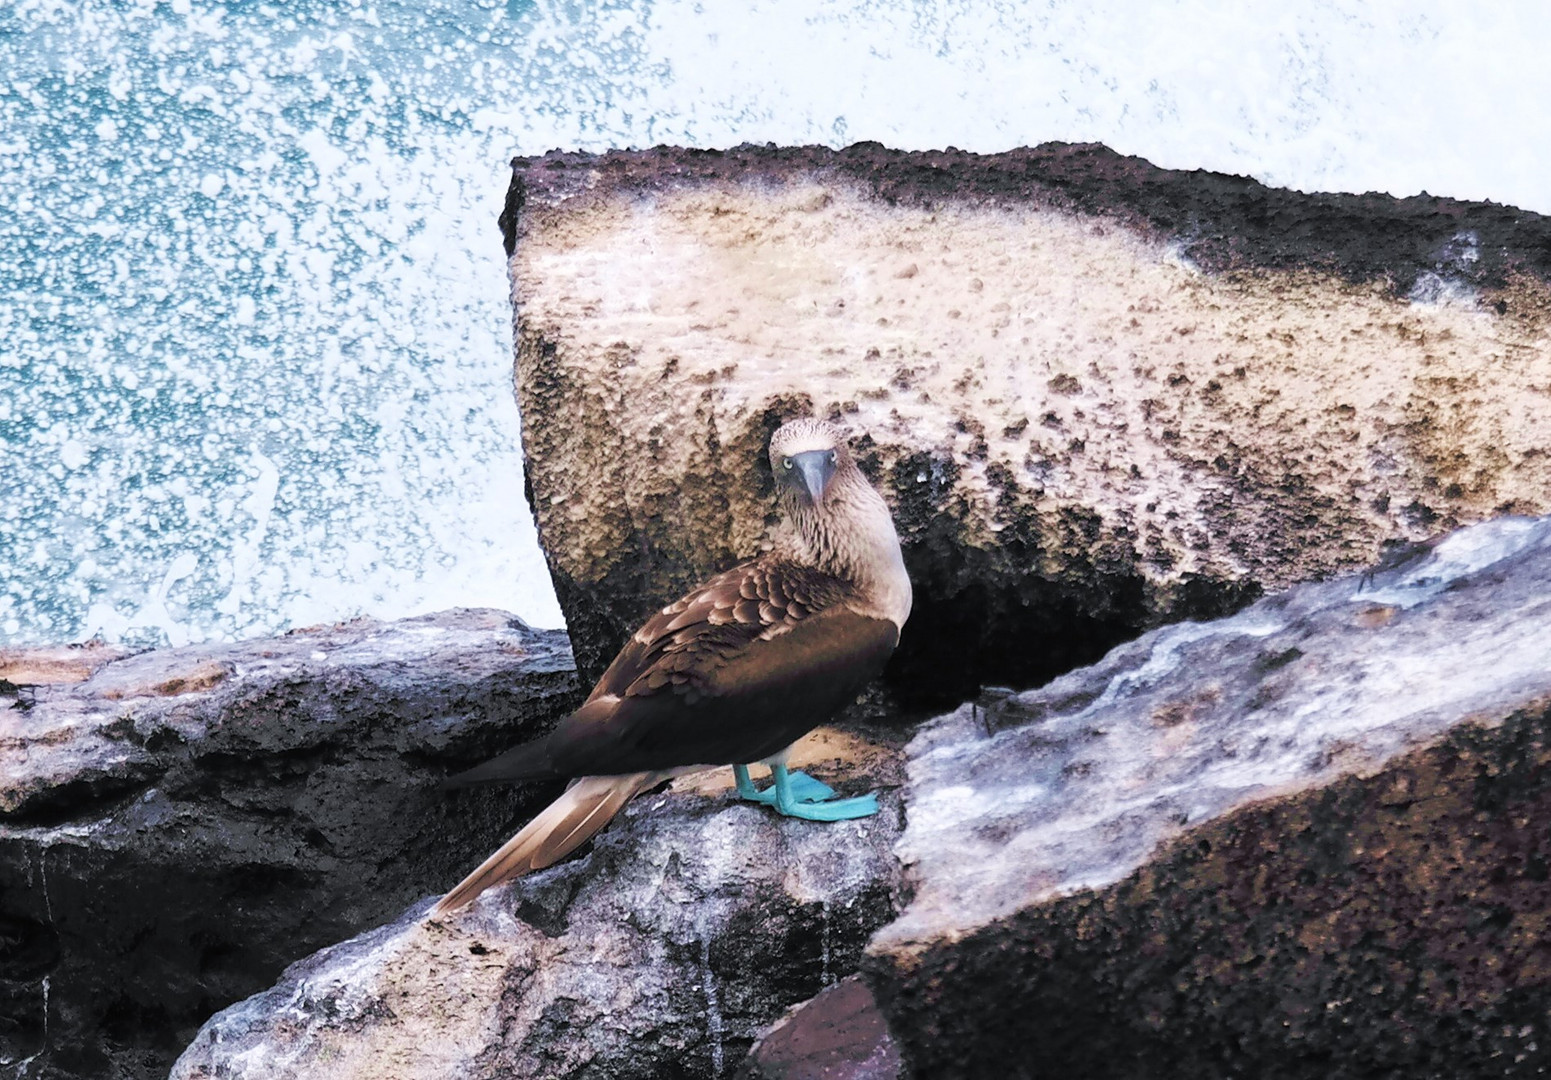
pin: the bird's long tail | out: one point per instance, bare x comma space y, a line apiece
560, 828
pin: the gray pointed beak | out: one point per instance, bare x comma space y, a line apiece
815, 470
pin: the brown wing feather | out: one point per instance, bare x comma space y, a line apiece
744, 707
565, 825
684, 642
732, 672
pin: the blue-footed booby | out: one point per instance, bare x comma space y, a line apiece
732, 673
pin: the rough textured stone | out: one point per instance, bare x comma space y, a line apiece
838, 1035
1307, 840
694, 921
1099, 394
1304, 841
180, 825
47, 665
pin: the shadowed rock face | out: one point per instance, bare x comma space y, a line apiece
1098, 394
1391, 925
1307, 840
178, 826
1304, 841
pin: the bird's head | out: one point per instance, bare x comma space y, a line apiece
805, 456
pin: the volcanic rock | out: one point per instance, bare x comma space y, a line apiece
1308, 840
838, 1035
177, 826
1304, 841
1100, 395
694, 921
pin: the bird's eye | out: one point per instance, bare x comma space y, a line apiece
833, 457
786, 463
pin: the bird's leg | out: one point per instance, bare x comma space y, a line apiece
746, 788
788, 804
804, 788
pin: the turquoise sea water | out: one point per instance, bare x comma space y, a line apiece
254, 344
254, 327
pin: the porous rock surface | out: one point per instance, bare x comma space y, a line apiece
1098, 394
177, 826
691, 924
1304, 841
1309, 840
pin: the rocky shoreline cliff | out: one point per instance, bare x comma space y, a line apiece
1300, 841
1240, 491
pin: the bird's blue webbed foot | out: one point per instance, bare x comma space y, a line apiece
787, 803
804, 788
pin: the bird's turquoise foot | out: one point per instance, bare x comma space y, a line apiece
839, 810
804, 788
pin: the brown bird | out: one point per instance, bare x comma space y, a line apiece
734, 672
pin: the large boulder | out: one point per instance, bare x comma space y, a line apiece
177, 826
1100, 395
689, 925
1309, 840
1303, 841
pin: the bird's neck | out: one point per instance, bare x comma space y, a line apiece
851, 535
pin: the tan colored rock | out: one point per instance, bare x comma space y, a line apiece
52, 665
195, 678
1073, 402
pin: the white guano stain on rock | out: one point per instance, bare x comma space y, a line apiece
369, 983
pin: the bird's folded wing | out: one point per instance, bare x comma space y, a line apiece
685, 642
733, 672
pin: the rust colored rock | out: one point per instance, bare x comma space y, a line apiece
838, 1035
1100, 395
49, 665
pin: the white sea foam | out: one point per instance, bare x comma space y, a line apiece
232, 236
